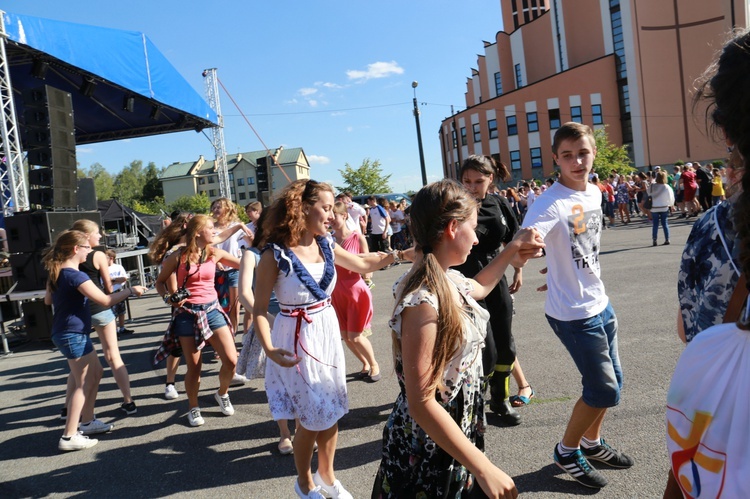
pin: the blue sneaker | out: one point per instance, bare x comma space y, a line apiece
576, 465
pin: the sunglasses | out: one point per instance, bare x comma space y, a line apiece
82, 246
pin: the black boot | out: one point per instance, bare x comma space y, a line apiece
499, 403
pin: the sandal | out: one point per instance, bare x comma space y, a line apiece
521, 400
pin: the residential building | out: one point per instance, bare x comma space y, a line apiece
629, 65
189, 179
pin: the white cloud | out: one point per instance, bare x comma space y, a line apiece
328, 84
84, 150
318, 160
338, 113
350, 129
312, 102
375, 70
304, 92
291, 101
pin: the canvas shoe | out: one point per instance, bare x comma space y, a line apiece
224, 404
95, 426
194, 417
313, 494
576, 465
335, 491
128, 408
237, 380
76, 442
170, 392
604, 453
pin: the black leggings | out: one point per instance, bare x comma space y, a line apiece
499, 348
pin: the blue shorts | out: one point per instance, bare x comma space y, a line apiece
592, 343
73, 345
233, 277
119, 309
102, 318
184, 322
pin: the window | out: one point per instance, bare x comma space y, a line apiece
532, 121
519, 79
212, 179
498, 83
211, 193
231, 176
554, 119
464, 141
240, 181
512, 125
201, 180
477, 132
231, 191
515, 160
575, 114
492, 127
250, 180
454, 138
596, 114
242, 196
536, 157
251, 195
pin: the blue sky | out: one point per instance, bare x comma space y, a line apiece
331, 76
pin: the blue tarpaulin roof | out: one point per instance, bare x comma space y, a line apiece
120, 64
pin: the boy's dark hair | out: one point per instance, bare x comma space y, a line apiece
573, 131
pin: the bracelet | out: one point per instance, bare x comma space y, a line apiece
396, 257
166, 299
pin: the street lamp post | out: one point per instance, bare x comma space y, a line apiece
419, 134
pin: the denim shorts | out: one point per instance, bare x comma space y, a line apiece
592, 343
184, 322
233, 277
102, 318
73, 345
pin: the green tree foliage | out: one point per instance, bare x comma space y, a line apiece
152, 188
610, 157
152, 207
129, 183
367, 179
194, 204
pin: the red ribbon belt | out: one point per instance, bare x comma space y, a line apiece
301, 314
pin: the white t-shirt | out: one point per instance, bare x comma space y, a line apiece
355, 211
397, 220
571, 224
232, 244
117, 270
378, 219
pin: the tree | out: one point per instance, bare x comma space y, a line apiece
129, 183
104, 184
152, 188
367, 179
610, 157
194, 204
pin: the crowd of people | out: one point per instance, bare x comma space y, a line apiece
300, 267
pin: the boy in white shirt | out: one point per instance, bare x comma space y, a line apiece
569, 218
118, 276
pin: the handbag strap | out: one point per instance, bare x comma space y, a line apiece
739, 295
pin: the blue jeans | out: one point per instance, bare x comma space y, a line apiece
184, 322
660, 217
592, 343
73, 345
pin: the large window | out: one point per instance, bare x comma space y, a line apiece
464, 140
498, 83
554, 119
596, 114
242, 196
212, 179
492, 127
250, 180
536, 157
211, 193
240, 181
454, 138
477, 132
201, 180
575, 114
532, 121
512, 124
519, 78
515, 160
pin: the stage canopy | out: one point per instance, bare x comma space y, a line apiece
122, 86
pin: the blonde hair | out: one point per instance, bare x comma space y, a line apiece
339, 208
228, 212
86, 226
433, 208
61, 250
195, 225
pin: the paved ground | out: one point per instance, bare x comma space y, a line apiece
155, 453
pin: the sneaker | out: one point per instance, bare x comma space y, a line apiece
64, 414
95, 426
604, 453
369, 283
170, 392
76, 442
335, 491
578, 467
313, 494
125, 330
129, 408
238, 380
224, 404
194, 417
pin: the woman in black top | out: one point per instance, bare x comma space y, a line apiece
496, 225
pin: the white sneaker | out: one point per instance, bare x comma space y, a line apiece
194, 417
313, 494
170, 392
224, 404
335, 491
237, 380
95, 426
76, 442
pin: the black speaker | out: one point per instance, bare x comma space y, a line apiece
37, 318
49, 138
29, 231
87, 194
28, 271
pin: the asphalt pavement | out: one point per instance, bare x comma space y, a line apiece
155, 453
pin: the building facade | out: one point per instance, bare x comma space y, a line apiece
246, 184
629, 65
